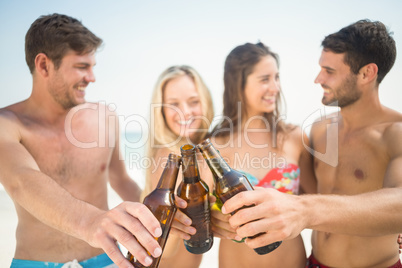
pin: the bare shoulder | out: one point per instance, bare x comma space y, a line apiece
320, 124
390, 126
294, 132
296, 136
158, 163
391, 135
10, 122
393, 138
162, 153
160, 158
92, 108
8, 114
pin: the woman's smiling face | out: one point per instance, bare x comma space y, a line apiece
182, 106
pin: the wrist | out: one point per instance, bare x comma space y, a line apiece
308, 210
87, 222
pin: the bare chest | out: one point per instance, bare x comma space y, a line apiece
68, 157
350, 164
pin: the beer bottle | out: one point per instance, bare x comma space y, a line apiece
218, 206
161, 203
229, 182
195, 192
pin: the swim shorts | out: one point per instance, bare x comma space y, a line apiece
313, 263
102, 260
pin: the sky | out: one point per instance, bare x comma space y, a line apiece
143, 38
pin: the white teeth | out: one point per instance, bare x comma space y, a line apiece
187, 122
81, 88
326, 91
268, 97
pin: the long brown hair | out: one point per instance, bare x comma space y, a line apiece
239, 65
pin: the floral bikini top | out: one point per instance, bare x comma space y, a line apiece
285, 180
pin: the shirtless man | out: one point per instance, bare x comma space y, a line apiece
57, 154
357, 215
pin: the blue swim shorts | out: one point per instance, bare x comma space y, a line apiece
102, 260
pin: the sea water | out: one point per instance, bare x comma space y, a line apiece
132, 145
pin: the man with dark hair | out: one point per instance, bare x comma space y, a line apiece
357, 215
57, 153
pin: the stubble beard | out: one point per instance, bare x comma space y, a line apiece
345, 95
62, 95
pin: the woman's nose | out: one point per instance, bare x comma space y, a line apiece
185, 109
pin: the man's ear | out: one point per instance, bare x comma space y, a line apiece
368, 72
42, 64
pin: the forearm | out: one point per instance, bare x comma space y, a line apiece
127, 189
47, 201
368, 214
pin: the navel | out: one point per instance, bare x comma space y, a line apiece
327, 235
359, 174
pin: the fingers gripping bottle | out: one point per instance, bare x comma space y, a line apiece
228, 182
195, 192
161, 203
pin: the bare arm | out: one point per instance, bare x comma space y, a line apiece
285, 216
46, 200
373, 213
119, 179
308, 181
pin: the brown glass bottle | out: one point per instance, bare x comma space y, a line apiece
229, 182
161, 203
195, 192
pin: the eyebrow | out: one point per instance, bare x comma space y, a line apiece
83, 64
267, 75
174, 98
328, 68
171, 99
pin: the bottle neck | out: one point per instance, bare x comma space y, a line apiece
169, 175
215, 161
189, 164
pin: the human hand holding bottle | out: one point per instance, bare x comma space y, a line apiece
181, 225
161, 203
229, 183
274, 215
220, 222
221, 226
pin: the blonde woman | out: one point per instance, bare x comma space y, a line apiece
181, 112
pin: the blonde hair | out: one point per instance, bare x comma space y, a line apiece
160, 135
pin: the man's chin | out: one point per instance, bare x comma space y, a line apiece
329, 102
80, 102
